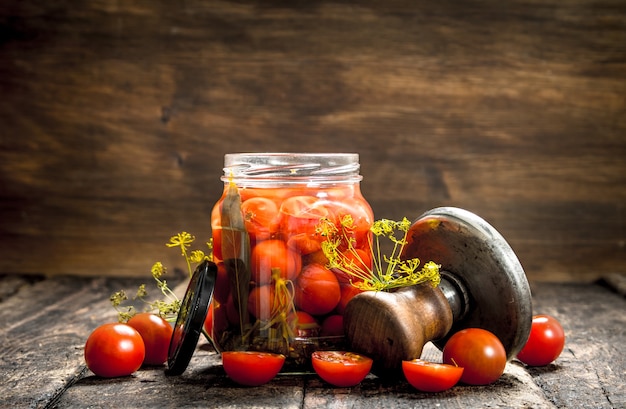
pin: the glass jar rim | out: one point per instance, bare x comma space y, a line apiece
291, 168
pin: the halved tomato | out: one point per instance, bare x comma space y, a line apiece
252, 368
430, 376
341, 368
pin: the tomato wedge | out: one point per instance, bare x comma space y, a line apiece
430, 376
252, 368
340, 368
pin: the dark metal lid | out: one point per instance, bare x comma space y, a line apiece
191, 316
476, 255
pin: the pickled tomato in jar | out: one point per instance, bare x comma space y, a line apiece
275, 288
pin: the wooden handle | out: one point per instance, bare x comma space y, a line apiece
392, 327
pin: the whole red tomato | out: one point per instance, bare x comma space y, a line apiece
348, 291
261, 301
303, 324
301, 214
156, 334
222, 284
545, 342
332, 326
479, 352
317, 290
274, 254
362, 218
304, 244
359, 265
216, 320
261, 217
114, 350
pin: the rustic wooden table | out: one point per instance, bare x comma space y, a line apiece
45, 323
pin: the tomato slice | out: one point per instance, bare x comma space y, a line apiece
430, 376
252, 368
340, 368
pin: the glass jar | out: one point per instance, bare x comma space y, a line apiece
275, 290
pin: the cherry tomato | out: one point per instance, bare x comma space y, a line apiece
303, 324
348, 291
317, 290
216, 235
208, 320
114, 350
261, 301
429, 376
231, 311
156, 334
316, 257
216, 320
362, 218
222, 283
301, 214
340, 368
545, 343
252, 368
261, 217
270, 254
304, 244
332, 326
479, 352
359, 262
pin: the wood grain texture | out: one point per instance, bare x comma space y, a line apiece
48, 322
114, 119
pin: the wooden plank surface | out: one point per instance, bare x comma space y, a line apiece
115, 118
46, 322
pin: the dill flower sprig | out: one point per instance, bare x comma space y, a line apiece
169, 305
182, 240
388, 271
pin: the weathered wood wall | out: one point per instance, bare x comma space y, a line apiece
115, 116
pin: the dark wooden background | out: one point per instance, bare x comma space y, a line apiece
115, 116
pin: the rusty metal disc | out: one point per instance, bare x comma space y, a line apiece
474, 254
